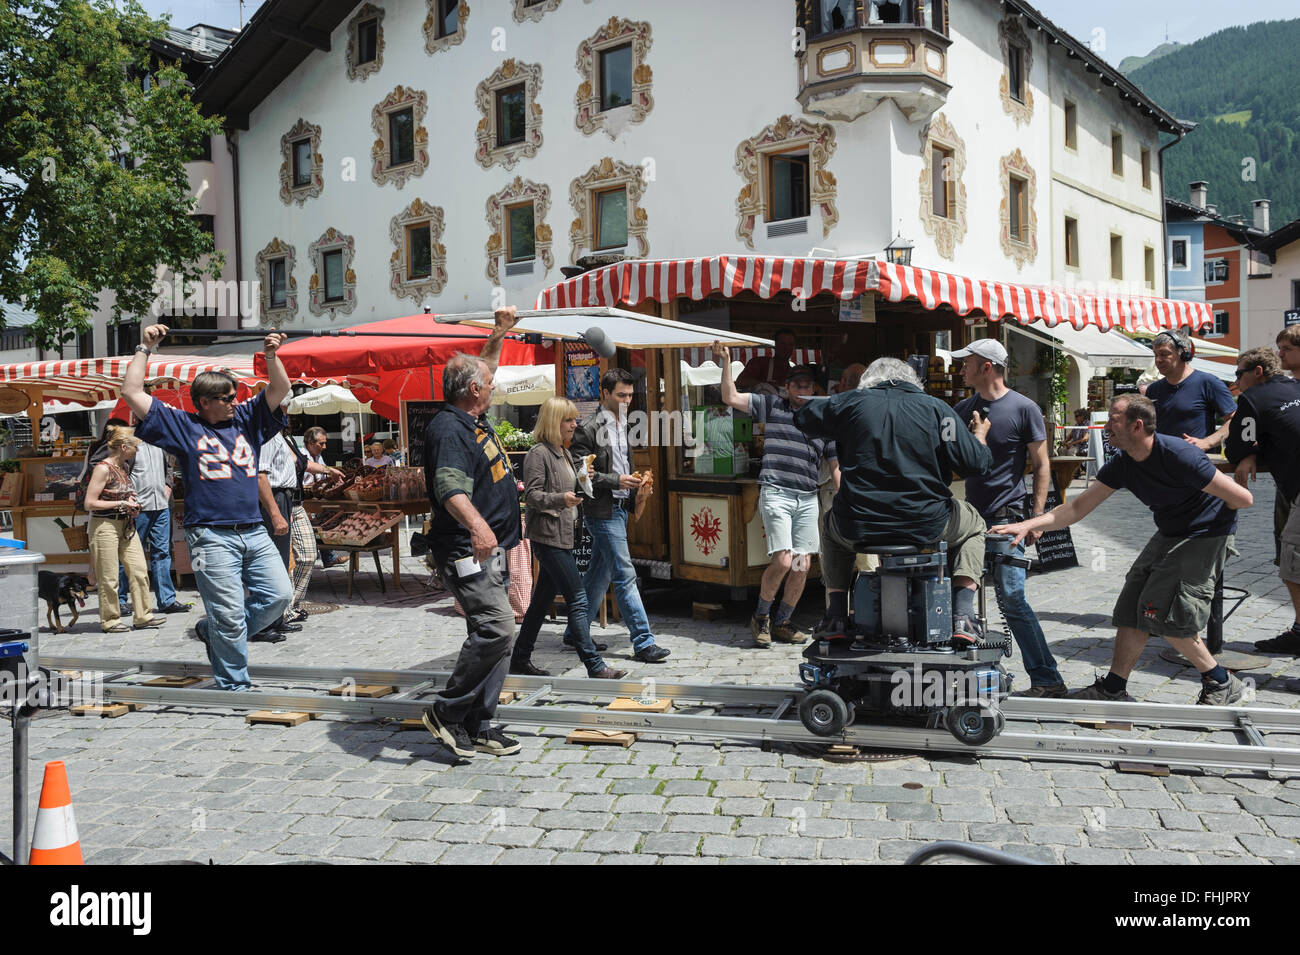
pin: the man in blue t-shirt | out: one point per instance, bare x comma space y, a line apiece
1168, 589
1188, 404
216, 452
1016, 434
787, 496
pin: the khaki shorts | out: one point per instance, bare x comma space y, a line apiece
1288, 559
1168, 589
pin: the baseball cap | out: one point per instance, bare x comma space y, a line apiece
989, 348
805, 371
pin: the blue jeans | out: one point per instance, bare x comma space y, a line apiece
224, 562
155, 530
610, 558
557, 572
1009, 586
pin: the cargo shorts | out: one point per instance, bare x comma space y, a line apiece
1168, 590
1288, 558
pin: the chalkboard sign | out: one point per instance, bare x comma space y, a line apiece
582, 544
416, 416
1055, 548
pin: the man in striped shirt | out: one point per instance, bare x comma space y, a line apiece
787, 496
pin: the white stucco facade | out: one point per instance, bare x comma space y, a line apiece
712, 89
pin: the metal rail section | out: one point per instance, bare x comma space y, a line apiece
566, 703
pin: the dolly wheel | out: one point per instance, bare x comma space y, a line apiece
973, 725
824, 713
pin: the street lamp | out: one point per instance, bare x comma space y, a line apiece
899, 251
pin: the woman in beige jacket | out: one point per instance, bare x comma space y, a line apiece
551, 484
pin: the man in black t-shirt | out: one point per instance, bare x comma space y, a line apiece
475, 501
1266, 428
1168, 589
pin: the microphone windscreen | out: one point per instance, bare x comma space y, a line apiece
599, 341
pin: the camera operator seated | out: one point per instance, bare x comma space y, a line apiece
898, 448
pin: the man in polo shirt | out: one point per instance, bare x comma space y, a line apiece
1168, 589
787, 497
1016, 434
1187, 405
898, 449
475, 502
1266, 428
216, 449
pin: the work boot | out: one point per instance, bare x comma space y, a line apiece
760, 628
965, 631
1098, 692
1221, 694
833, 628
787, 632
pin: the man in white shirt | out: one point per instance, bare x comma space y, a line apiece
151, 476
315, 439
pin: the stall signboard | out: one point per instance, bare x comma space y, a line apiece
706, 531
859, 309
581, 376
416, 416
1291, 317
582, 544
1055, 548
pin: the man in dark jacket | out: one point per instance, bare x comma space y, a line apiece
1266, 430
898, 449
604, 434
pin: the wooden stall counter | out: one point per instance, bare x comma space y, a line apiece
387, 539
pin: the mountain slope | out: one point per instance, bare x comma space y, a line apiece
1248, 77
1131, 63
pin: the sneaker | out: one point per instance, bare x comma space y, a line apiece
496, 743
1221, 694
149, 623
1050, 691
1288, 641
176, 608
786, 632
1099, 692
652, 654
965, 631
762, 631
832, 628
451, 735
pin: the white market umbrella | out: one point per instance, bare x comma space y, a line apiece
523, 384
327, 400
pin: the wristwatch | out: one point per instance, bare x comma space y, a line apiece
145, 349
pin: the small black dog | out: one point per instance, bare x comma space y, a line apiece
58, 589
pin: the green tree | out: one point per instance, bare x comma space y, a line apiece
73, 220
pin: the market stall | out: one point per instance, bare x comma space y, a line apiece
842, 311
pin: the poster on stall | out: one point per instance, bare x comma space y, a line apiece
582, 376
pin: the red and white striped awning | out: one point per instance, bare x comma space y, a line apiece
630, 283
89, 381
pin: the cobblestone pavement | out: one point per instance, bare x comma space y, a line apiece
175, 783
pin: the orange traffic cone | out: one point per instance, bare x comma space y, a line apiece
55, 841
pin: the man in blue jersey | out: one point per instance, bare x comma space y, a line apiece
1016, 434
787, 497
216, 451
1168, 589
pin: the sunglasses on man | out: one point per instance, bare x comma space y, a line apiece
228, 399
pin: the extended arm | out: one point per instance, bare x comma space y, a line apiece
1235, 495
133, 392
278, 388
1071, 512
731, 397
505, 319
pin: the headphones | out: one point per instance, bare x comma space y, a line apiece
1180, 340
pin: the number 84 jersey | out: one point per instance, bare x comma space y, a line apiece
218, 461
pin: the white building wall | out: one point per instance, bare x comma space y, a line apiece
712, 89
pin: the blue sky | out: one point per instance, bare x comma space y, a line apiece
1126, 32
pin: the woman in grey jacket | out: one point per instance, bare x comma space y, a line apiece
551, 484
